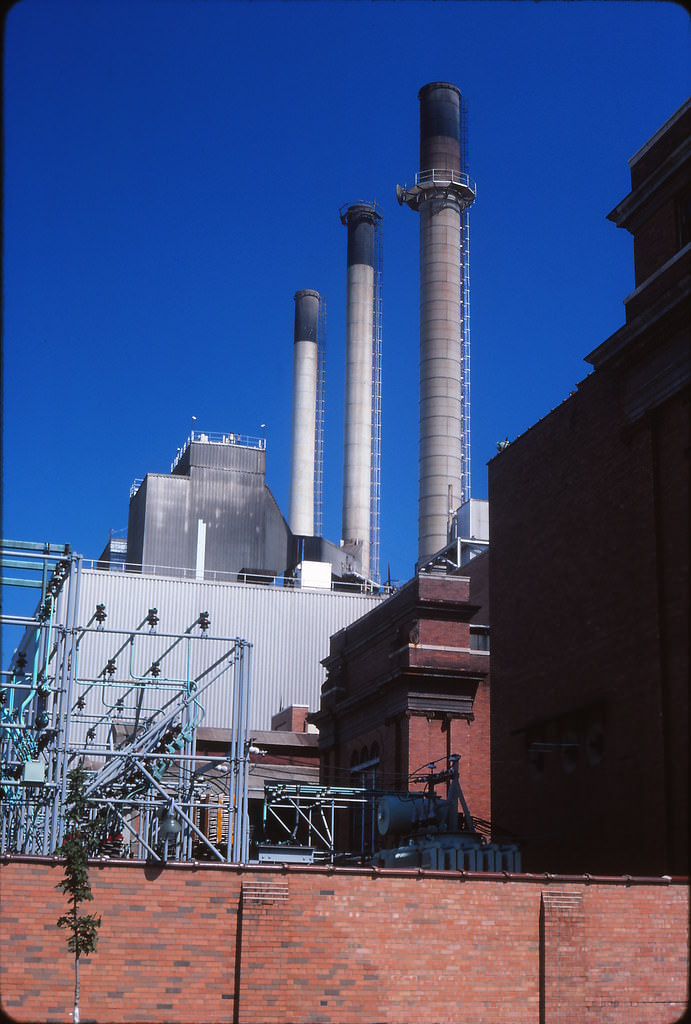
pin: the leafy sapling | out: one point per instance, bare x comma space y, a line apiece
78, 842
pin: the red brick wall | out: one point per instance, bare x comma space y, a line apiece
588, 575
470, 740
215, 943
655, 241
290, 719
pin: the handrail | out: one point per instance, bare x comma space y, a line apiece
444, 176
244, 577
209, 437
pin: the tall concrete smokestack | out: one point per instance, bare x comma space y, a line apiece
361, 414
441, 194
304, 426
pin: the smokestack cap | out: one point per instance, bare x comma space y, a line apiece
361, 219
438, 85
306, 315
440, 126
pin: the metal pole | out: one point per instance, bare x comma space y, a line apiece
245, 762
63, 723
237, 682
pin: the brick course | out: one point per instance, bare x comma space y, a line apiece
258, 945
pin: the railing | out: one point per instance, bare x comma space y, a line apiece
136, 484
443, 176
207, 437
247, 577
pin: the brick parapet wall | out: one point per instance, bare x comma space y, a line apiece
220, 943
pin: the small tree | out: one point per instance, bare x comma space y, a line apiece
78, 842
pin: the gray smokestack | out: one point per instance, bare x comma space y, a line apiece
441, 194
302, 449
361, 220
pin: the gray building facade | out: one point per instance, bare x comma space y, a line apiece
213, 514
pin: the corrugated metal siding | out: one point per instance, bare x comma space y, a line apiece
135, 525
229, 457
168, 540
245, 528
289, 628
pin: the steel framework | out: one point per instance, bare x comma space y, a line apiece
375, 462
319, 420
126, 704
306, 816
465, 318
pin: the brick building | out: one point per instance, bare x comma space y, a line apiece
589, 562
408, 684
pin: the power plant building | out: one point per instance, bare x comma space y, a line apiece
212, 516
220, 612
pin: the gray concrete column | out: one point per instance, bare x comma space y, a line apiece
440, 194
302, 449
440, 371
357, 441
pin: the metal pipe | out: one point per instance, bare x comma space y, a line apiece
237, 683
63, 720
247, 670
303, 439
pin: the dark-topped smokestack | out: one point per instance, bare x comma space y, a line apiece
441, 194
362, 221
302, 449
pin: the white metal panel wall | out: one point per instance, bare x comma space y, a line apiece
289, 628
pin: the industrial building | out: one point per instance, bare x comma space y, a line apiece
164, 673
589, 562
211, 616
214, 516
210, 555
408, 687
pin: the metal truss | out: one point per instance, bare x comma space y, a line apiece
126, 704
306, 816
319, 419
375, 454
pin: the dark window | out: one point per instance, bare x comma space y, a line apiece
479, 638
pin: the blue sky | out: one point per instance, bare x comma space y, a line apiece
173, 174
